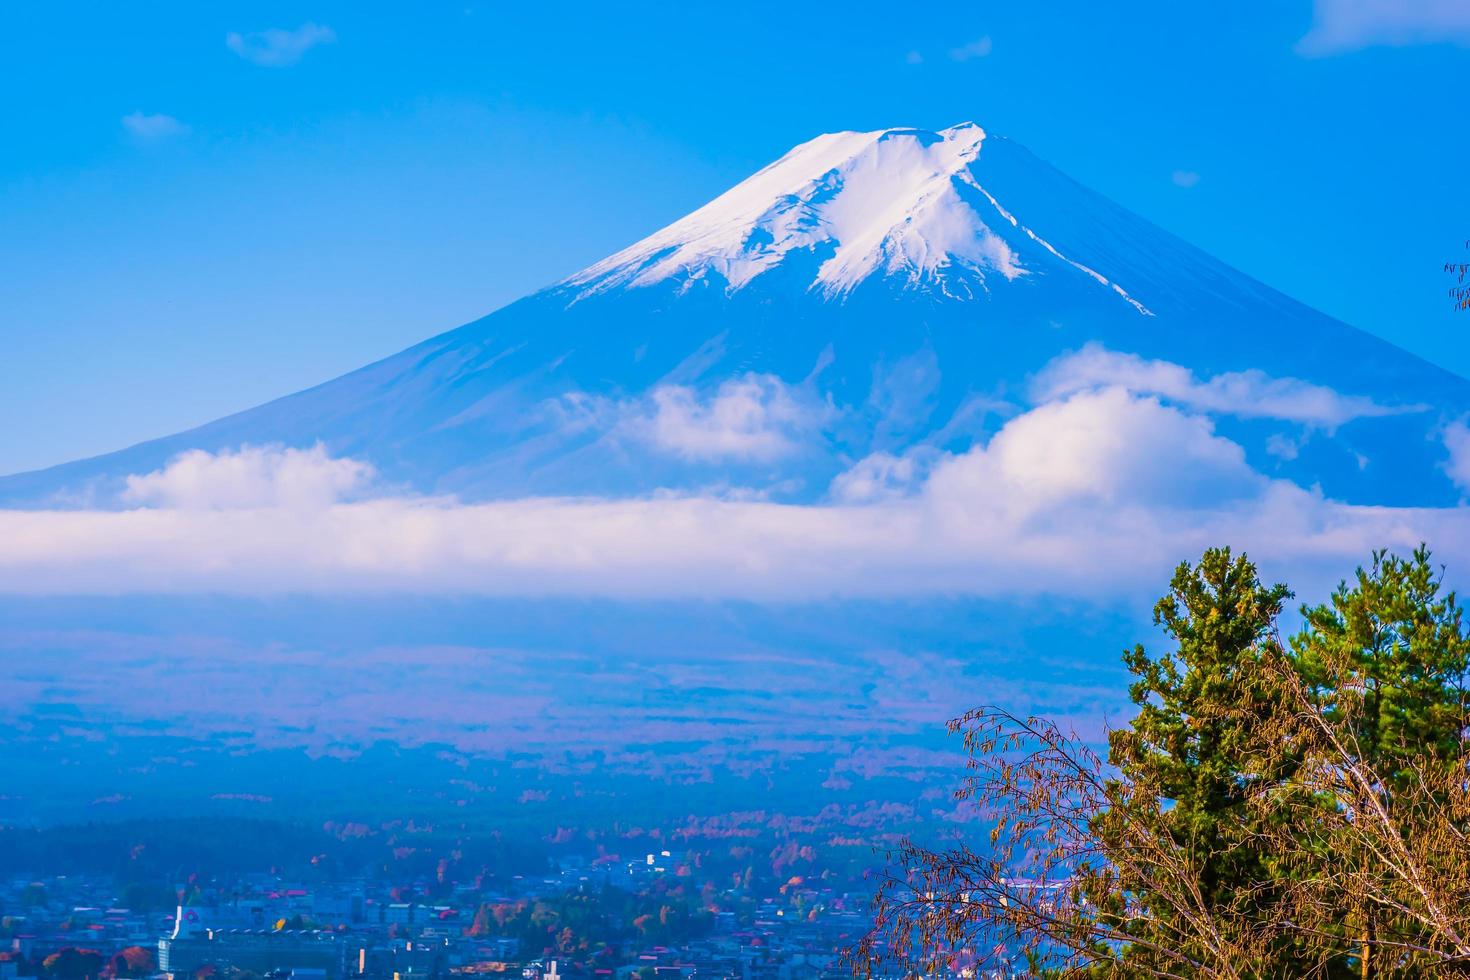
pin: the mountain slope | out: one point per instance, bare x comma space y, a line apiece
884, 292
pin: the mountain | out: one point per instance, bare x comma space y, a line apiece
892, 292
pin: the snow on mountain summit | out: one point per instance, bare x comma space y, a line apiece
906, 204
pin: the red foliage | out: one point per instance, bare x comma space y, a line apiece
133, 961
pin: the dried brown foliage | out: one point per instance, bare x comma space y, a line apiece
1460, 291
1330, 838
1047, 893
1377, 854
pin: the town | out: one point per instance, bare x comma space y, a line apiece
564, 924
710, 910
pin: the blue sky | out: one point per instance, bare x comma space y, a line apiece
205, 206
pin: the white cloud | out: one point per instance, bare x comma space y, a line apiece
880, 476
1457, 441
1095, 495
1283, 447
1107, 446
914, 58
1247, 394
252, 477
152, 126
1350, 25
755, 417
1185, 178
978, 48
276, 47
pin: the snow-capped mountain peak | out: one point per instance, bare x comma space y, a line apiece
906, 204
888, 294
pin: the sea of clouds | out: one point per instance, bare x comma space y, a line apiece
1114, 473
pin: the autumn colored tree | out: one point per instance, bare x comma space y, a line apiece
1272, 810
72, 963
1191, 744
1460, 290
1376, 719
132, 961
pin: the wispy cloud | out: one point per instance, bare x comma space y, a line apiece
277, 47
882, 476
1185, 178
756, 417
1340, 26
753, 418
152, 126
1456, 437
1246, 394
978, 48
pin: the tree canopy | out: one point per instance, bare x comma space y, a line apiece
1273, 809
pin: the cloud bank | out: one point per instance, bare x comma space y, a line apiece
1095, 492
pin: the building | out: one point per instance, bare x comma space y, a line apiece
193, 946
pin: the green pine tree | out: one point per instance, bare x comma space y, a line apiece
1387, 659
1184, 763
